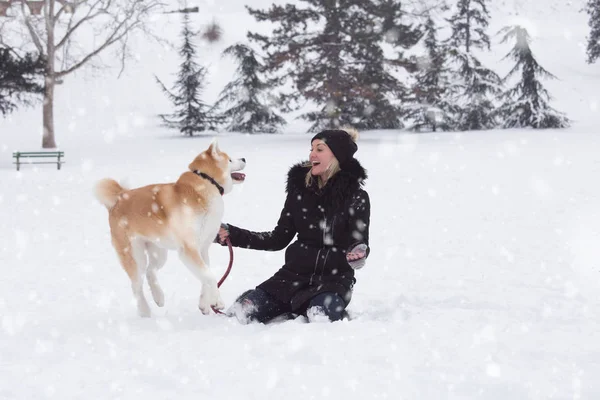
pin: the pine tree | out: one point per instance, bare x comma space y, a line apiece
331, 53
191, 113
526, 104
251, 110
593, 47
479, 84
469, 24
20, 77
432, 86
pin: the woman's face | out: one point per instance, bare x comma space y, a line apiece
320, 157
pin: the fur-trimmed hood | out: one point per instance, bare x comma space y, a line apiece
338, 189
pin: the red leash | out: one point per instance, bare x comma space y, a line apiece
227, 271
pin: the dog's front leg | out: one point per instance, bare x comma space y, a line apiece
210, 296
204, 254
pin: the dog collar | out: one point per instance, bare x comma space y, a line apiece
211, 180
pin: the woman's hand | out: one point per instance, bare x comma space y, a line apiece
356, 256
223, 234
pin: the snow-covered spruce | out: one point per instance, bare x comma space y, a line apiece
478, 86
333, 58
191, 114
593, 44
526, 103
248, 97
430, 105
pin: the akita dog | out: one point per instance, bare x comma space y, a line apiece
185, 216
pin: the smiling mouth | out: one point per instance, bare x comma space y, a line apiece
238, 176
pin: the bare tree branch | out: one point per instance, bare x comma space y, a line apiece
111, 40
34, 35
124, 55
71, 29
119, 31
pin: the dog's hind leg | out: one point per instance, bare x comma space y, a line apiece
138, 252
210, 296
133, 259
157, 257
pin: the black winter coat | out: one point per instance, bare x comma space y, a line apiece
329, 222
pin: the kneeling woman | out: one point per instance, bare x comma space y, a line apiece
329, 211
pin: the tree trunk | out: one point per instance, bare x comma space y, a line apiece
48, 141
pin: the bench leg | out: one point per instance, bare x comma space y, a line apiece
58, 164
18, 165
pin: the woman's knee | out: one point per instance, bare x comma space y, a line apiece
326, 306
256, 306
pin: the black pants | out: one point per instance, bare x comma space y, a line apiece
259, 306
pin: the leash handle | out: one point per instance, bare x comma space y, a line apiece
227, 271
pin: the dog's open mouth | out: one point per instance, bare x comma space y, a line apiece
238, 176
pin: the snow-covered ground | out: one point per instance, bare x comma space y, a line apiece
483, 281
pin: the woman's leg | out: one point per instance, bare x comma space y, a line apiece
257, 306
328, 305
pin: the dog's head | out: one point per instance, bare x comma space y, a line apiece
218, 165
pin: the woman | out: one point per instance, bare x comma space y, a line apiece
328, 209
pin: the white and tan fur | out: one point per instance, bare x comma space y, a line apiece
185, 216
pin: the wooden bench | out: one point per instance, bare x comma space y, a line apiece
38, 157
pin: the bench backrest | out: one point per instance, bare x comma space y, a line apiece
38, 153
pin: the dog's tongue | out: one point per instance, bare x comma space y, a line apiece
238, 176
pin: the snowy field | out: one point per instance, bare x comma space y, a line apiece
483, 281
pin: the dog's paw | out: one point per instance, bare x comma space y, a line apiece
219, 304
158, 296
204, 307
206, 300
210, 298
144, 310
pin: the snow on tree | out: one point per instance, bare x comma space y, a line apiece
20, 78
432, 87
479, 85
251, 109
191, 114
331, 53
526, 103
593, 46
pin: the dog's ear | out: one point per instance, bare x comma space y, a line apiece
214, 147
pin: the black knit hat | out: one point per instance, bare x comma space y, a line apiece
340, 142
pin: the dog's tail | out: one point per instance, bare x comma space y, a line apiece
107, 192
